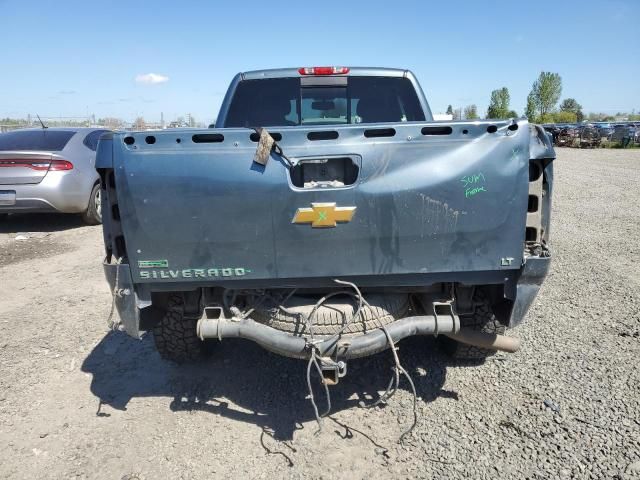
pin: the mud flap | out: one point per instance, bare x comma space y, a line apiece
533, 274
126, 301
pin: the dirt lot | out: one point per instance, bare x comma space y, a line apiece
77, 401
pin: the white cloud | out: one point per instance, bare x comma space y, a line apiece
151, 78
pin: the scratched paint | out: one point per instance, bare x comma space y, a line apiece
473, 184
437, 217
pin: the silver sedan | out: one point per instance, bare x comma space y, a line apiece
50, 170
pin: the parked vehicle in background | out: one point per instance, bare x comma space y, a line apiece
50, 170
619, 132
632, 136
605, 130
626, 134
568, 137
552, 129
589, 137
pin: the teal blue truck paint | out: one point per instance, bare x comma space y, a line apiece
460, 203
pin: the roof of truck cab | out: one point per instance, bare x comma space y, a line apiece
353, 71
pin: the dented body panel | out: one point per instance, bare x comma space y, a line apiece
459, 203
423, 205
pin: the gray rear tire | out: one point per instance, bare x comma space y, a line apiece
93, 214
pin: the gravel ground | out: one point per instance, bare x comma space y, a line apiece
79, 402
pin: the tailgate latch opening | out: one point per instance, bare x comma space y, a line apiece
329, 172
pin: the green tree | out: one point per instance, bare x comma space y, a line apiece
546, 92
530, 111
471, 112
546, 118
571, 105
599, 117
449, 110
499, 103
512, 114
564, 116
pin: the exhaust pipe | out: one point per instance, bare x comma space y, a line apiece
340, 347
491, 341
442, 320
471, 337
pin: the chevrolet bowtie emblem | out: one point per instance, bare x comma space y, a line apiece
323, 215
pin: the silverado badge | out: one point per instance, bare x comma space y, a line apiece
323, 215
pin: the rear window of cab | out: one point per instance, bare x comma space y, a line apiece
287, 102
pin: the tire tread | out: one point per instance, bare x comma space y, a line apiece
175, 335
382, 310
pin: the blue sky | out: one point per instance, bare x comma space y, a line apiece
67, 58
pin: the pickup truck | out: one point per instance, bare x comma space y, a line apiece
327, 215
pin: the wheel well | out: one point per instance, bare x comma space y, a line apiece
151, 315
97, 182
500, 305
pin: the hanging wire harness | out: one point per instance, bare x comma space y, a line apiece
326, 353
314, 359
